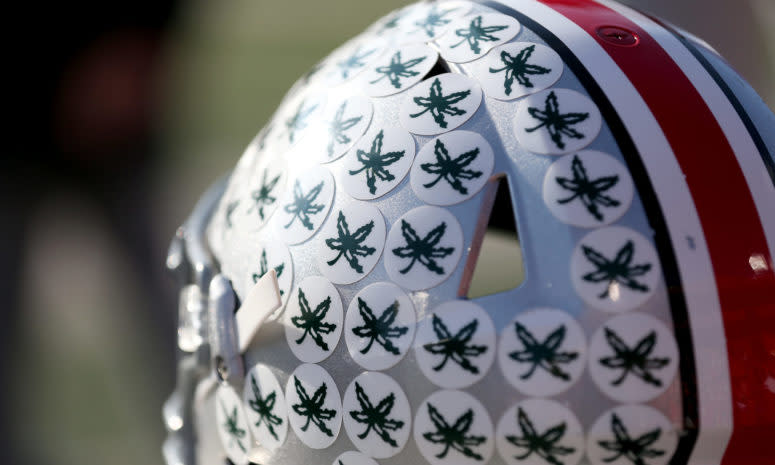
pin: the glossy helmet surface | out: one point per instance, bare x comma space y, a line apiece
333, 313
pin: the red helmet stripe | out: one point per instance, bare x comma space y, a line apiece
727, 212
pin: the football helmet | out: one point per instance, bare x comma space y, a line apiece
348, 298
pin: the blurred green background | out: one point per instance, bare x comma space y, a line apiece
86, 381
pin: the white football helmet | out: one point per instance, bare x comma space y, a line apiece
506, 232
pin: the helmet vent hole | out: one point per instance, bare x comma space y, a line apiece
495, 263
440, 67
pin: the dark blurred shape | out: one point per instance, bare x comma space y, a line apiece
732, 27
83, 100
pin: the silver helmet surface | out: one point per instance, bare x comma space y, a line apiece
511, 232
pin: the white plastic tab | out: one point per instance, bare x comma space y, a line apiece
262, 300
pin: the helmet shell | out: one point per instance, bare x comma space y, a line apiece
369, 193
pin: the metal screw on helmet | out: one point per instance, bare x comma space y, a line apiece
618, 36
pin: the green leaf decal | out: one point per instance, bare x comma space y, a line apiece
312, 72
392, 23
476, 33
312, 407
558, 124
398, 69
545, 355
304, 205
263, 268
542, 444
423, 250
264, 137
231, 207
375, 163
454, 436
451, 169
312, 321
354, 61
455, 347
379, 330
262, 197
589, 192
264, 406
338, 127
634, 360
298, 121
236, 434
617, 270
376, 418
518, 68
433, 20
635, 450
439, 104
349, 245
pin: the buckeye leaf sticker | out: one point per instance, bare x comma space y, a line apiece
351, 243
378, 163
452, 168
517, 69
399, 69
313, 319
473, 36
423, 248
440, 104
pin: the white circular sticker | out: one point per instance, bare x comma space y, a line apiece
423, 248
378, 162
377, 416
472, 37
379, 326
354, 59
265, 407
314, 406
453, 427
517, 69
305, 205
313, 319
429, 21
588, 189
300, 116
615, 269
633, 358
393, 22
232, 425
344, 122
440, 104
399, 69
262, 138
452, 168
455, 345
354, 458
266, 186
539, 432
631, 434
351, 242
556, 122
269, 256
542, 352
233, 199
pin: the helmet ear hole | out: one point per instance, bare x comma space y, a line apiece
440, 67
495, 263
